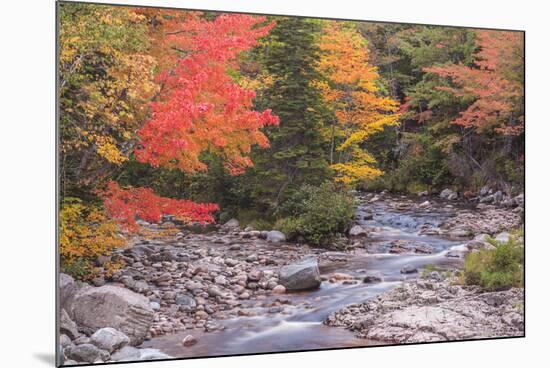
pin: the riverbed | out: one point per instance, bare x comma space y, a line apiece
396, 239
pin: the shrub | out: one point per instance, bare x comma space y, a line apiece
496, 269
85, 234
317, 213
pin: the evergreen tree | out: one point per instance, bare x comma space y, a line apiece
297, 152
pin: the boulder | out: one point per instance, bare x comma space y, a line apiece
448, 194
503, 237
357, 230
485, 191
275, 236
279, 289
409, 269
232, 223
67, 326
83, 353
301, 275
372, 279
186, 303
127, 353
67, 288
113, 306
152, 354
109, 339
425, 204
189, 340
520, 199
479, 244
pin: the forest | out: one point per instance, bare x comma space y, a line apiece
237, 183
273, 121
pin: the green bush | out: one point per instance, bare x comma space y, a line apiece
496, 269
317, 213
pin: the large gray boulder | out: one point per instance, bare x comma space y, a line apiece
67, 288
67, 325
109, 339
275, 236
301, 275
112, 306
83, 353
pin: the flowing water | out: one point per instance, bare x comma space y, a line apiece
298, 326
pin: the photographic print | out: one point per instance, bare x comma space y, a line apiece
234, 183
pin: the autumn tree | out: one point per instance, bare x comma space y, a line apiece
350, 90
493, 84
106, 79
199, 109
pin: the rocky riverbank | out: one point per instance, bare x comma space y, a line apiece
188, 282
434, 309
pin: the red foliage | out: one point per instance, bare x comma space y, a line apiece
127, 205
494, 82
201, 108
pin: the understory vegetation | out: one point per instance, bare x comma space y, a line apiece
499, 268
316, 214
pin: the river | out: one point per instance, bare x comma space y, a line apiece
299, 325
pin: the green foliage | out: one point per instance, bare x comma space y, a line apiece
317, 213
496, 269
297, 152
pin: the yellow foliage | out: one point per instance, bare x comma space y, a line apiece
85, 234
350, 90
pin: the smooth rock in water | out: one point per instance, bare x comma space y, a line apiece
408, 269
83, 353
371, 279
232, 223
357, 230
503, 237
116, 307
279, 289
127, 353
67, 326
152, 354
189, 340
275, 236
109, 339
301, 275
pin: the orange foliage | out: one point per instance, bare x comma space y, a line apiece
495, 83
201, 108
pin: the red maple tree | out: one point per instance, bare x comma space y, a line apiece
199, 108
